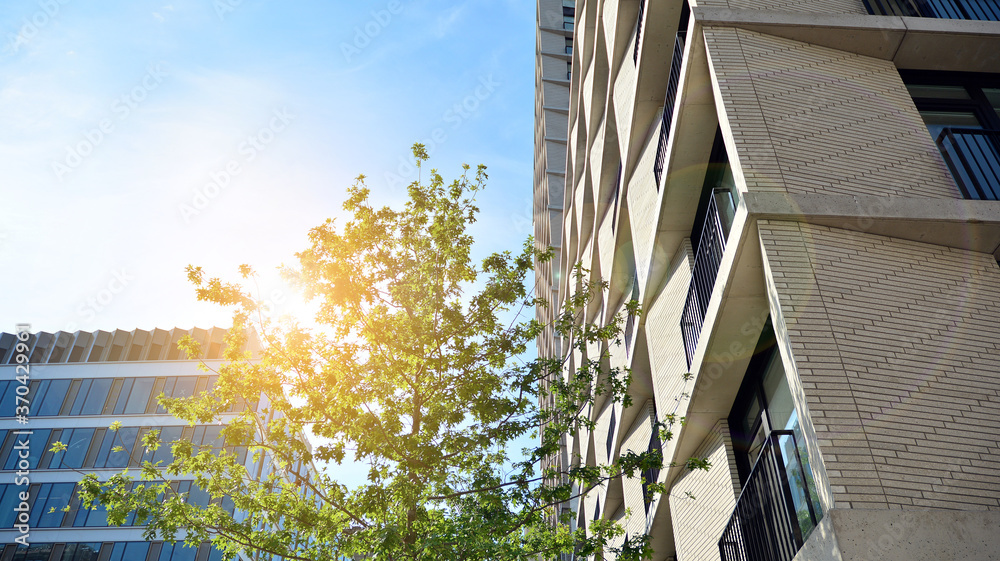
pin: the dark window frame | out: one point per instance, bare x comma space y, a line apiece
973, 82
752, 393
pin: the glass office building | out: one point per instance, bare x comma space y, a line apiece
78, 385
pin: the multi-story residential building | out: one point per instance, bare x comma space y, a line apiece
803, 196
77, 385
553, 70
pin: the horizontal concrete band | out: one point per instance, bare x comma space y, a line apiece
957, 223
928, 43
898, 535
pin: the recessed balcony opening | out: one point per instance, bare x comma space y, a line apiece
778, 506
651, 475
633, 294
673, 80
962, 114
713, 221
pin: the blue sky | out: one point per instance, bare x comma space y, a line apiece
139, 137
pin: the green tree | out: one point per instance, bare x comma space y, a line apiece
417, 372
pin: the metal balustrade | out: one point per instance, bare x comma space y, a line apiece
651, 475
668, 105
974, 158
618, 192
985, 10
765, 525
707, 260
630, 319
638, 30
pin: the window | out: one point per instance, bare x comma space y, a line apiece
81, 552
36, 448
77, 443
34, 552
569, 15
569, 45
955, 100
611, 431
719, 185
49, 397
47, 510
9, 499
91, 397
962, 114
108, 456
651, 475
768, 441
713, 220
107, 396
129, 551
113, 551
986, 10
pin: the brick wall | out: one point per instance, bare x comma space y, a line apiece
896, 346
662, 324
810, 119
624, 100
642, 198
699, 518
637, 440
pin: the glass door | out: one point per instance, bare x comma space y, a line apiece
763, 416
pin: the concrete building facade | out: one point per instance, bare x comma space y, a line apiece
553, 69
74, 386
803, 197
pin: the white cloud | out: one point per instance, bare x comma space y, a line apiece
448, 19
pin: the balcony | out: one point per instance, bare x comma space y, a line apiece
974, 158
708, 258
618, 193
985, 10
668, 106
630, 319
775, 511
668, 102
638, 30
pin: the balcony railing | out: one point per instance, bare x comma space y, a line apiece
630, 319
638, 30
974, 158
767, 523
618, 192
987, 10
707, 260
668, 105
651, 475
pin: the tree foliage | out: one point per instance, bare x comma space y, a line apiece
417, 372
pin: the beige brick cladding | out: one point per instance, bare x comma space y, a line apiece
641, 197
701, 502
808, 6
662, 324
896, 346
637, 441
810, 119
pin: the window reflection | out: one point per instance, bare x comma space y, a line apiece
113, 551
105, 396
